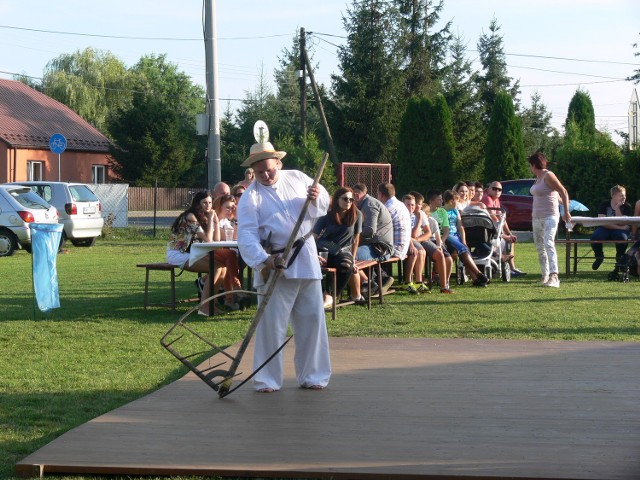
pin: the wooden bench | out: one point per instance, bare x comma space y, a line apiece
572, 253
368, 265
162, 267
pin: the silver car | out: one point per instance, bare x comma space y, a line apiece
19, 206
80, 210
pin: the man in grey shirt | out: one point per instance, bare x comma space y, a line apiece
376, 239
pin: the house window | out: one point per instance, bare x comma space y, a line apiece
34, 171
98, 173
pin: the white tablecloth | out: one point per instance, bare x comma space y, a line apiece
597, 221
199, 250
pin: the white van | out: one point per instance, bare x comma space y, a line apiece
79, 209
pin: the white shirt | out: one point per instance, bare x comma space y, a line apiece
275, 209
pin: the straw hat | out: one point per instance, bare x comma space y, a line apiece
262, 151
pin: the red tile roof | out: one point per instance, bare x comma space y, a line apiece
28, 118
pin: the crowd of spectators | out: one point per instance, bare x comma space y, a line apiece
419, 230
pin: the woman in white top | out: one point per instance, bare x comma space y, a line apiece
463, 191
546, 191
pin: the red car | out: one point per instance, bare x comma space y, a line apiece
516, 199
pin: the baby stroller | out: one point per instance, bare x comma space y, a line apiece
483, 237
628, 264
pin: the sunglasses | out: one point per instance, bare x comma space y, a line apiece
496, 189
346, 199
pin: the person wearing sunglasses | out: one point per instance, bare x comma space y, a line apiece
491, 198
337, 234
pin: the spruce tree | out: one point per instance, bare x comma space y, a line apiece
504, 150
367, 101
461, 95
581, 113
422, 48
494, 78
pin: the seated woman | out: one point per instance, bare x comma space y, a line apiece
198, 223
616, 207
454, 239
462, 190
416, 255
339, 232
225, 207
237, 190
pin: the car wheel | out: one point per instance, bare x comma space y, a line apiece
8, 243
84, 242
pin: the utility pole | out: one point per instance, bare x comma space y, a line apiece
316, 94
213, 107
303, 86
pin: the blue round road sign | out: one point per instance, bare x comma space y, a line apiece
57, 143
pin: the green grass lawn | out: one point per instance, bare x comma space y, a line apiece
101, 349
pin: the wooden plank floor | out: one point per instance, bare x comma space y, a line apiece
402, 408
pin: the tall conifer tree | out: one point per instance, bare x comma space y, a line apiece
504, 151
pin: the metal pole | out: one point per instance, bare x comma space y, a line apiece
213, 108
59, 167
303, 87
325, 125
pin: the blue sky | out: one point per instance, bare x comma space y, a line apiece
252, 34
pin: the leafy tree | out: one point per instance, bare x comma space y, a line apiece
426, 149
367, 101
589, 166
287, 97
422, 53
155, 133
538, 134
93, 83
306, 156
504, 151
581, 113
461, 95
494, 65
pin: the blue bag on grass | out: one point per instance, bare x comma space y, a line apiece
45, 240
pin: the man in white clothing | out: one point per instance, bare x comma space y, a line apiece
269, 209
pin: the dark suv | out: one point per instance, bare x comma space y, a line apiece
516, 199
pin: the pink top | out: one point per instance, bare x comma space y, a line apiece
545, 199
490, 202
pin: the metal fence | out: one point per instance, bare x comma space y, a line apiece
371, 174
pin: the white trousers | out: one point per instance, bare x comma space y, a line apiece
299, 302
544, 234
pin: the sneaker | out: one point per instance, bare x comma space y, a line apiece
386, 284
328, 302
516, 272
231, 306
365, 287
544, 279
553, 281
411, 288
597, 263
447, 291
359, 301
481, 281
423, 288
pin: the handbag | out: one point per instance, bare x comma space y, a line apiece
326, 245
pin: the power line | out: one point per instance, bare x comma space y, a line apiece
125, 37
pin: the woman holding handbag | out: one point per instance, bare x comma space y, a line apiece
337, 235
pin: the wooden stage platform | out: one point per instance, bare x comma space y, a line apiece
395, 408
